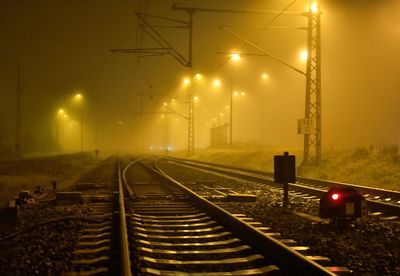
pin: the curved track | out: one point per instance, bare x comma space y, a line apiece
146, 223
174, 231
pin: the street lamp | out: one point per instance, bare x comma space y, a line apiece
303, 55
313, 7
198, 77
235, 56
216, 83
186, 82
235, 94
79, 99
60, 113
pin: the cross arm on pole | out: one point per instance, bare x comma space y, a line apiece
197, 9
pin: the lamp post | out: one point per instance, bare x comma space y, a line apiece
60, 113
235, 57
235, 94
79, 98
264, 77
231, 117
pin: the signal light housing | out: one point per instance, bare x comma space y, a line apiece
342, 203
336, 196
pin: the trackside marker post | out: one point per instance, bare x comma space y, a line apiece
285, 173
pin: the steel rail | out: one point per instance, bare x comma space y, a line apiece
125, 255
303, 184
288, 260
328, 183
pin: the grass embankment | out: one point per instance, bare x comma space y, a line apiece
377, 166
26, 174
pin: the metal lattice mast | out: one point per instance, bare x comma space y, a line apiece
191, 96
312, 141
191, 124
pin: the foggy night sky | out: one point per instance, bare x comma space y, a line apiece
63, 47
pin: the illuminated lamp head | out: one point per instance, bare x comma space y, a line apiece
336, 196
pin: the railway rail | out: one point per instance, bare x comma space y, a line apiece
174, 231
143, 222
379, 201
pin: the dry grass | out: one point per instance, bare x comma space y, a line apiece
376, 166
26, 174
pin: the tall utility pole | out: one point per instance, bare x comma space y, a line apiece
81, 129
191, 96
312, 140
312, 121
18, 123
191, 125
231, 117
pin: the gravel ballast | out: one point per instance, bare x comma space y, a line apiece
368, 248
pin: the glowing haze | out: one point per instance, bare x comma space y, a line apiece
64, 49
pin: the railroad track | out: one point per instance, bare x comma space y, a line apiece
380, 202
173, 231
146, 223
97, 250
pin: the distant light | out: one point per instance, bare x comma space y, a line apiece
226, 106
61, 111
120, 122
217, 83
314, 7
198, 77
235, 56
264, 76
304, 55
196, 99
165, 103
151, 148
78, 96
236, 93
173, 100
162, 115
336, 196
65, 116
242, 93
186, 81
221, 114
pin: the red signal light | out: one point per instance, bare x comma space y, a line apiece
336, 196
